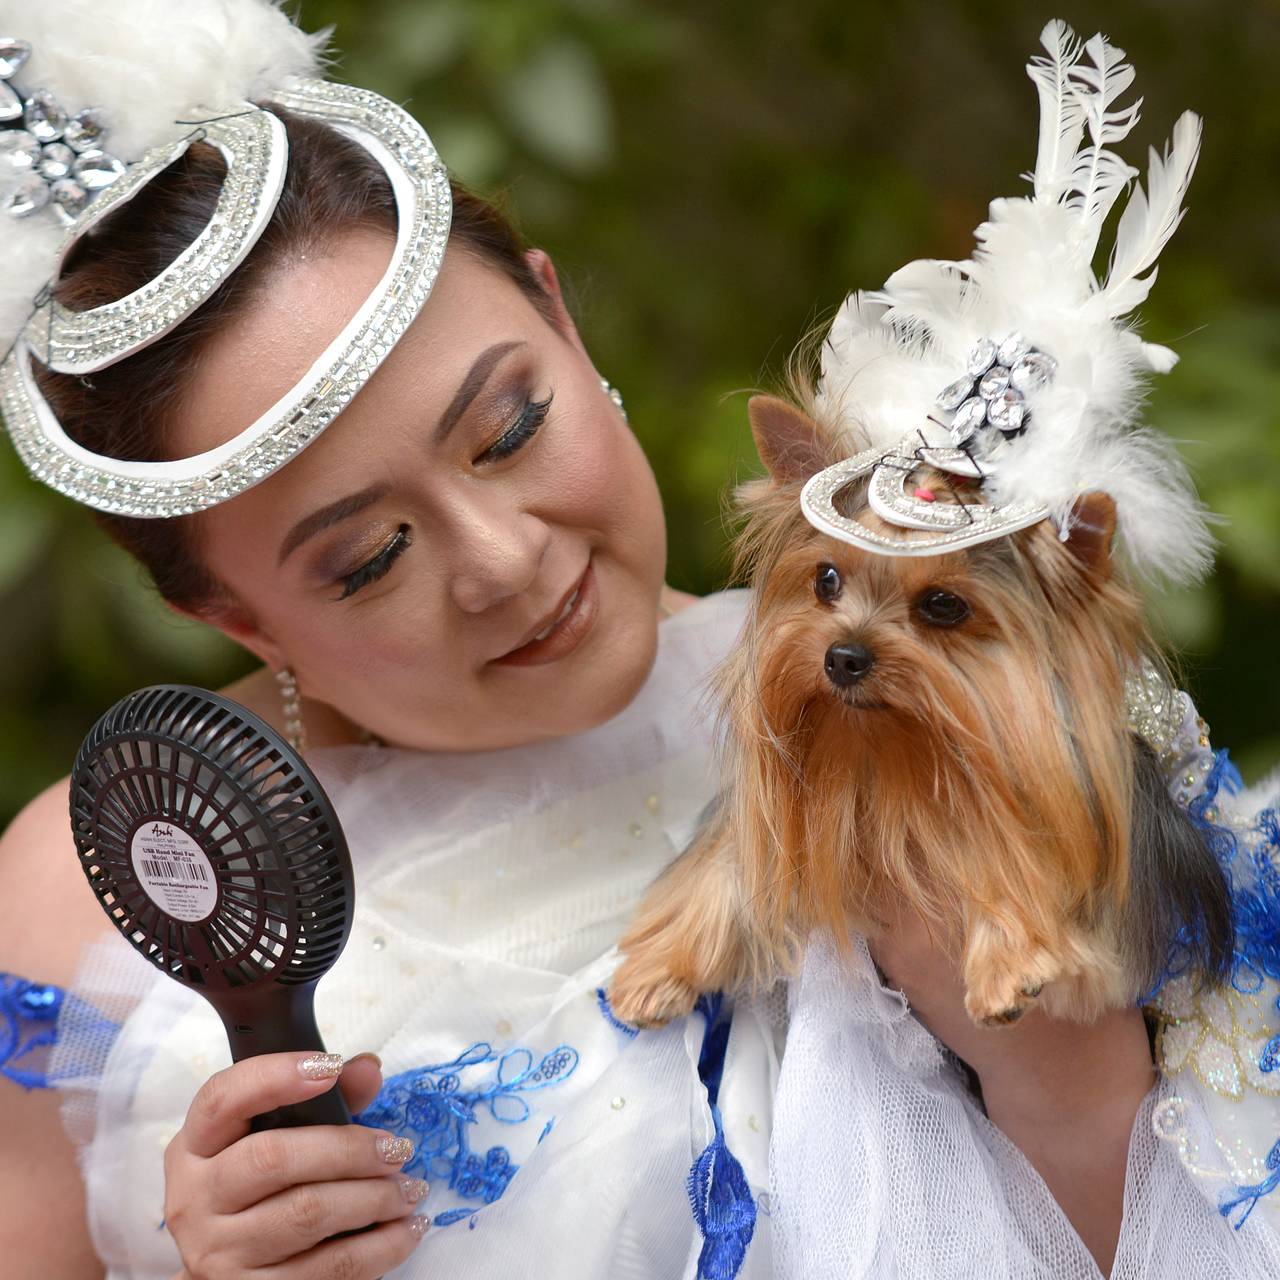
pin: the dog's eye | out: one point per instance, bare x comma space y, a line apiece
941, 608
827, 583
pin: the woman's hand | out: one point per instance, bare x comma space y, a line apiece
1065, 1093
267, 1204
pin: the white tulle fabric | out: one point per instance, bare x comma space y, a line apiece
905, 1178
491, 889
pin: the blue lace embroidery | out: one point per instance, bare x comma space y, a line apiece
719, 1195
434, 1107
28, 1028
1252, 869
1249, 1196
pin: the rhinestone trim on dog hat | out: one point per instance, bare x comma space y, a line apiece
1017, 369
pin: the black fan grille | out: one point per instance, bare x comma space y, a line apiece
204, 764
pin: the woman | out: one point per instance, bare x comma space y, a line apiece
459, 592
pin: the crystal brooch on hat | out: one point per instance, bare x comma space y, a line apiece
993, 392
48, 158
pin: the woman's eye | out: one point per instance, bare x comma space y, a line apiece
827, 583
520, 432
942, 608
373, 569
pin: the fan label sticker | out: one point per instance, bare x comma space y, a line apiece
174, 871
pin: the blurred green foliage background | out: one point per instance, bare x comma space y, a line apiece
711, 179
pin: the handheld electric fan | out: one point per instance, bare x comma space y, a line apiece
215, 851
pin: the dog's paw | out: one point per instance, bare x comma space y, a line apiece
645, 996
1001, 1014
1001, 985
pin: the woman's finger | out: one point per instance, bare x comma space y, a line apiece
302, 1217
261, 1164
221, 1112
360, 1081
362, 1257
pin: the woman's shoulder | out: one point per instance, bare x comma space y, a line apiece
47, 910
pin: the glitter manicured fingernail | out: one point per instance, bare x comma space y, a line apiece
393, 1150
417, 1224
414, 1189
321, 1066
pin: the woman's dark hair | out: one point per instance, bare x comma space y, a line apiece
332, 185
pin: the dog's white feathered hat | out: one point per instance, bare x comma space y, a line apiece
94, 102
1016, 369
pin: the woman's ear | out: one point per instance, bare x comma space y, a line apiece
239, 626
544, 271
787, 440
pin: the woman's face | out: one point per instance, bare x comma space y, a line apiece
479, 488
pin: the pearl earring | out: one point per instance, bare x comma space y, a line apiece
294, 731
616, 396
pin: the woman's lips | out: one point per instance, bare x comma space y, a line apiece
566, 634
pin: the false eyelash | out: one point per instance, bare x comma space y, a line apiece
521, 432
375, 568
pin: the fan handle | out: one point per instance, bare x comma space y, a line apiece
272, 1018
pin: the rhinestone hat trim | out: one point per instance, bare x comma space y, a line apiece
255, 146
165, 489
936, 526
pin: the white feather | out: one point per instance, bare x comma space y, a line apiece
874, 382
1061, 111
1099, 174
928, 301
146, 64
1159, 359
1151, 217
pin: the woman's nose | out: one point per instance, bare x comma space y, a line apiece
496, 555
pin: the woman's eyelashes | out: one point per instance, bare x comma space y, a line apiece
520, 432
373, 569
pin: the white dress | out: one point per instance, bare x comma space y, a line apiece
490, 891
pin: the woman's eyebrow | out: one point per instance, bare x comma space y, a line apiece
310, 525
477, 376
483, 365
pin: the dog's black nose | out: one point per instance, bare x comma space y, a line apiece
846, 664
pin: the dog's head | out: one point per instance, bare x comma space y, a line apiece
936, 713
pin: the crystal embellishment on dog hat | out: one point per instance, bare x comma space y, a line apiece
994, 391
1019, 371
251, 59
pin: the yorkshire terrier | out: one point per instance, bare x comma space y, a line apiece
945, 733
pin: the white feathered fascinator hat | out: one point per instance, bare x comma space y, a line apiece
1017, 369
97, 99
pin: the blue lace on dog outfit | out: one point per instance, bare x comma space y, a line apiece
1252, 868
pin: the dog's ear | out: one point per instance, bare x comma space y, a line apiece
1093, 526
787, 440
